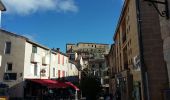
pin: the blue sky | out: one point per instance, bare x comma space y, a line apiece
54, 23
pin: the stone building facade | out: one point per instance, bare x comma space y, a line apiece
165, 33
141, 71
93, 57
89, 52
110, 61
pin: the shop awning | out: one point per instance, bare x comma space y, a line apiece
54, 83
72, 85
50, 83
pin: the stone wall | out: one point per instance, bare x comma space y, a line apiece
165, 33
153, 51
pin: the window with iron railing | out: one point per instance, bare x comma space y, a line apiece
10, 76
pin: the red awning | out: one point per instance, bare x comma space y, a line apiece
50, 83
72, 85
55, 84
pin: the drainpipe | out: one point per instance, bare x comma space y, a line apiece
0, 60
49, 64
0, 18
144, 75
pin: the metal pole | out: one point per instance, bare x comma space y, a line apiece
49, 63
76, 98
0, 18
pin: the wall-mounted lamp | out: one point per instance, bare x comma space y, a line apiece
164, 13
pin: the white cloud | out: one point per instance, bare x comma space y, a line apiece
25, 7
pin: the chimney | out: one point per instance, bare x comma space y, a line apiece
58, 49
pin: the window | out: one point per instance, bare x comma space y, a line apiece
7, 47
53, 72
72, 56
35, 70
34, 49
63, 73
58, 58
63, 60
58, 73
10, 76
9, 67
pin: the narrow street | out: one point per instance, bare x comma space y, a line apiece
84, 49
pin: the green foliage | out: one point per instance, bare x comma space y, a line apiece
90, 87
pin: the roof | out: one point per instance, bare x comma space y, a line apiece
121, 17
12, 34
70, 44
25, 38
91, 43
2, 7
62, 53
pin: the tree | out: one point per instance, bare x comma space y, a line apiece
91, 87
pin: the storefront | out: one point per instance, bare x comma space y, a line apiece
51, 89
124, 85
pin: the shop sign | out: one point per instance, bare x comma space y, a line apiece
43, 72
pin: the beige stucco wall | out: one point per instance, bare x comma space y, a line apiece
16, 57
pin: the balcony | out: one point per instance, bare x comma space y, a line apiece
45, 60
0, 60
35, 58
10, 76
